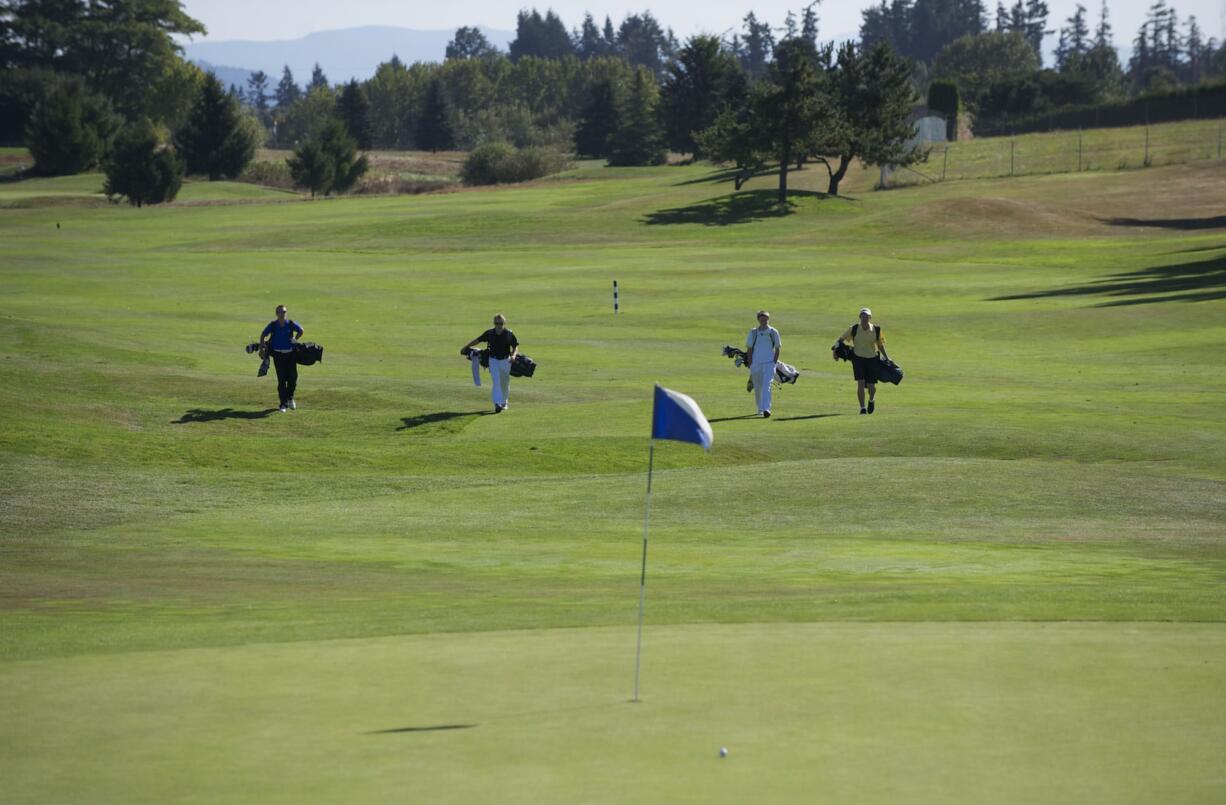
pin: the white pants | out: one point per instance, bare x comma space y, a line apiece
763, 374
500, 380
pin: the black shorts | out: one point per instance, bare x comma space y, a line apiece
865, 368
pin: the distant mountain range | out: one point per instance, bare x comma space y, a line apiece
344, 54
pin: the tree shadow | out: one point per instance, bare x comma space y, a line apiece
202, 415
735, 208
1214, 222
411, 422
727, 175
1186, 282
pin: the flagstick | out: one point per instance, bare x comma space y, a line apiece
638, 654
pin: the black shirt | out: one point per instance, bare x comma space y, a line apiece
500, 345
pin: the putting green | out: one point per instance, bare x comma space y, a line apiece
1041, 713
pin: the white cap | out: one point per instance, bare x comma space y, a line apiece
865, 312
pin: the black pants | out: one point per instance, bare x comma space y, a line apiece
287, 375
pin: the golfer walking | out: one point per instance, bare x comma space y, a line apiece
762, 345
503, 346
866, 342
279, 337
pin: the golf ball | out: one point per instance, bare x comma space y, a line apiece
723, 751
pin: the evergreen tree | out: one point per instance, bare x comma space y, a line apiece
788, 107
758, 42
809, 22
71, 129
318, 79
140, 169
610, 36
1074, 41
589, 43
1102, 34
598, 120
310, 168
257, 91
643, 43
214, 141
871, 99
341, 150
470, 43
1194, 47
287, 91
703, 81
542, 37
433, 129
1035, 27
354, 112
638, 139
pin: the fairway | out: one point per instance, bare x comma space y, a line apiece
1007, 585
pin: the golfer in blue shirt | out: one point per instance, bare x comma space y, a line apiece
279, 336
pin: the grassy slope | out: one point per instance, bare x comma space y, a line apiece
1052, 456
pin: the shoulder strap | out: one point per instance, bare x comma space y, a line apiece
855, 328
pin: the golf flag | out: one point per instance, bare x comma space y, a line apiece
676, 416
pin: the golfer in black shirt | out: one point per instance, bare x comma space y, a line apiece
502, 344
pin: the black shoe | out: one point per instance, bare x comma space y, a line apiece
864, 410
766, 414
497, 409
871, 406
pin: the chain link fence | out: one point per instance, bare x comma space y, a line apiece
1065, 152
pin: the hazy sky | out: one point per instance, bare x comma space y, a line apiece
263, 20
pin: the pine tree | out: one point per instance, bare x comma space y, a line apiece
257, 91
703, 81
759, 43
598, 120
287, 91
787, 108
354, 112
214, 141
638, 139
311, 168
1102, 34
71, 129
318, 79
809, 22
140, 169
589, 42
433, 129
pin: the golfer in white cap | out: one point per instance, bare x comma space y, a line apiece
762, 346
866, 342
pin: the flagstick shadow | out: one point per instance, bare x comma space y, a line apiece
435, 728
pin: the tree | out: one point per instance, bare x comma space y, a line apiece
808, 23
758, 44
257, 91
215, 141
71, 130
354, 112
543, 37
119, 48
598, 120
732, 138
433, 129
978, 62
871, 100
141, 169
643, 43
943, 98
1074, 40
788, 106
703, 81
589, 42
470, 43
328, 162
638, 139
310, 168
318, 79
287, 92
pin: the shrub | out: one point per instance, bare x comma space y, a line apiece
269, 174
499, 163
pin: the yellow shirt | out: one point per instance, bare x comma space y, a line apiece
867, 341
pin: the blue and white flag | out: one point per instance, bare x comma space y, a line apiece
676, 416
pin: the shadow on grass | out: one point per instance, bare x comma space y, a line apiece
727, 175
735, 418
736, 208
411, 422
806, 416
1215, 222
435, 728
202, 415
1199, 281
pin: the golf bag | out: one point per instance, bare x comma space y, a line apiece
784, 373
483, 355
842, 352
522, 366
307, 353
888, 371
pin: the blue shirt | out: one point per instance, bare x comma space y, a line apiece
282, 337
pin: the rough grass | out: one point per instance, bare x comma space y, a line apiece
883, 623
